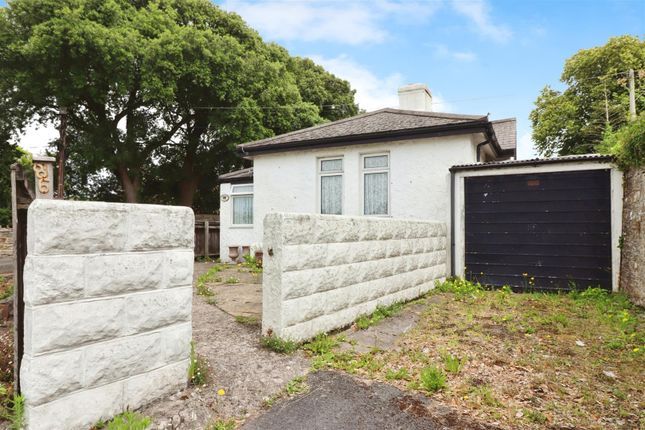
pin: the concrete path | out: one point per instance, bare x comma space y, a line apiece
338, 401
386, 334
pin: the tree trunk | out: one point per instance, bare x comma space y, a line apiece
131, 186
187, 188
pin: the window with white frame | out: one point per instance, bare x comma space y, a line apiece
330, 182
376, 184
242, 203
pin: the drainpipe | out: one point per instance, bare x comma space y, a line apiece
452, 223
485, 142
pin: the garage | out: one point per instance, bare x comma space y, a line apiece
538, 226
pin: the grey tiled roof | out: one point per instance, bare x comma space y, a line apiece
380, 121
600, 158
236, 175
505, 130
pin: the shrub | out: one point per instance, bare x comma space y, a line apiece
432, 379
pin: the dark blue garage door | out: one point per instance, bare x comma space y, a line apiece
539, 231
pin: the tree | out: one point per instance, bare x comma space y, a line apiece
573, 121
627, 144
158, 92
9, 154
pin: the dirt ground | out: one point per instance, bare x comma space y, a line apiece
247, 373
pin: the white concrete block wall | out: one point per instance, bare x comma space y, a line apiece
108, 290
321, 272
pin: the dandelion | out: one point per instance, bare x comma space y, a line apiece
221, 392
465, 397
636, 349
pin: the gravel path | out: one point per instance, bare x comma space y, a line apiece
237, 364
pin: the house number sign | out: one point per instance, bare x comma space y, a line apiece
44, 174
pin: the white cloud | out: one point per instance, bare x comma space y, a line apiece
525, 147
349, 23
372, 92
36, 138
463, 56
478, 12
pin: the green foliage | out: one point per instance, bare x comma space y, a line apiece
196, 368
15, 412
461, 288
158, 93
322, 344
205, 278
452, 363
573, 121
232, 280
381, 312
9, 154
535, 416
627, 144
486, 396
432, 379
127, 420
400, 374
247, 320
222, 425
274, 343
296, 386
5, 217
254, 264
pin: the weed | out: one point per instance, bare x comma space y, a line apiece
296, 386
322, 344
127, 420
452, 363
461, 288
247, 320
196, 368
232, 280
15, 413
534, 416
205, 278
212, 300
402, 373
486, 396
222, 425
381, 312
254, 264
432, 379
274, 343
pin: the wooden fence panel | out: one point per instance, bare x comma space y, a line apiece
206, 238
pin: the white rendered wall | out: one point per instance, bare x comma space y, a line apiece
107, 290
322, 271
231, 235
616, 179
419, 178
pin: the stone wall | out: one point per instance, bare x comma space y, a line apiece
321, 272
632, 271
6, 242
107, 309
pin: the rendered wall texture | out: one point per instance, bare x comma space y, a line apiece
107, 309
321, 272
632, 274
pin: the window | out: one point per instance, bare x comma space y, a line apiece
242, 199
376, 184
330, 173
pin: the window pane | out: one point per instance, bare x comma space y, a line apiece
375, 197
331, 195
331, 165
242, 189
243, 210
375, 162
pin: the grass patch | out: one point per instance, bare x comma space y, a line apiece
534, 416
247, 320
452, 363
400, 374
381, 312
321, 344
276, 344
196, 368
253, 264
232, 280
294, 387
432, 379
14, 411
222, 425
210, 276
127, 420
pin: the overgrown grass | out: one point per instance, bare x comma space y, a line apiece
381, 312
197, 370
127, 420
432, 379
222, 425
276, 344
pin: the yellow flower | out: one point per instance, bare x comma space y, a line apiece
465, 397
636, 349
221, 392
525, 274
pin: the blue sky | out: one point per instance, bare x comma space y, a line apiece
477, 56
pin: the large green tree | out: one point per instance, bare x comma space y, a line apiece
596, 98
157, 92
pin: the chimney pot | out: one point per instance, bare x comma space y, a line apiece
415, 97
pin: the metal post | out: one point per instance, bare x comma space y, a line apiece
61, 152
207, 235
632, 96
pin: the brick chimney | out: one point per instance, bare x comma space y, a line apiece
415, 97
